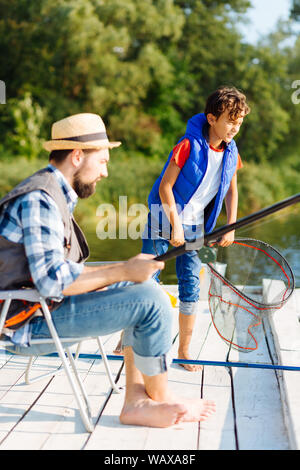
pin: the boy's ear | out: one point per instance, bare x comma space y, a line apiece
211, 119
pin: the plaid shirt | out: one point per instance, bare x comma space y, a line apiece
34, 220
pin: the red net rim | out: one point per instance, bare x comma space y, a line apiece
290, 278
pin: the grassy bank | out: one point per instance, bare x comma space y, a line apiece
133, 176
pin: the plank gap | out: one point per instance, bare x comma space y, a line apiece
26, 411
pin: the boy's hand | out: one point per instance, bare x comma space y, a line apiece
227, 239
177, 236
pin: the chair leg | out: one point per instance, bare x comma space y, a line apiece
3, 313
77, 351
115, 388
30, 380
113, 385
82, 404
27, 371
79, 381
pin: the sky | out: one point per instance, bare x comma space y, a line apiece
264, 16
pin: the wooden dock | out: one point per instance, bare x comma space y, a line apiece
257, 409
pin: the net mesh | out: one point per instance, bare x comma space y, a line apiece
236, 304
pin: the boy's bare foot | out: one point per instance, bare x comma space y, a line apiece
189, 367
118, 348
147, 412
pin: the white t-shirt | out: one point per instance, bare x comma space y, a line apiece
193, 212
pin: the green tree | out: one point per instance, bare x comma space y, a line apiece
83, 55
26, 119
212, 53
146, 66
295, 10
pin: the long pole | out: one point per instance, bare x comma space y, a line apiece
191, 361
234, 226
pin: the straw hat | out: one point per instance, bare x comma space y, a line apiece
80, 131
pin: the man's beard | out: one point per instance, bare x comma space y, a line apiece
83, 190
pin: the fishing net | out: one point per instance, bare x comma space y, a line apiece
236, 303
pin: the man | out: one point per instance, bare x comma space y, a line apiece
41, 245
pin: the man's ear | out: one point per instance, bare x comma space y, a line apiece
76, 157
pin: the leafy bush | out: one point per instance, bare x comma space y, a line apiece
23, 118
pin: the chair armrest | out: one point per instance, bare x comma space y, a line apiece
23, 294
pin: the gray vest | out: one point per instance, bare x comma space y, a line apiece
14, 269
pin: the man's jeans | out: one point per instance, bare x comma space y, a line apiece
143, 311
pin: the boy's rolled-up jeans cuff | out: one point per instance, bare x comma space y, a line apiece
151, 365
188, 308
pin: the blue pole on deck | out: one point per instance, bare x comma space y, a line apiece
187, 361
205, 363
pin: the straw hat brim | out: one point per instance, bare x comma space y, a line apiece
68, 144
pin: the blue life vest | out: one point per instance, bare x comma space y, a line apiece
193, 171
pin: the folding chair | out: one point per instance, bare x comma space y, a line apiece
75, 381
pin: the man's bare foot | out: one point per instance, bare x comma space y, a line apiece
147, 412
189, 367
198, 409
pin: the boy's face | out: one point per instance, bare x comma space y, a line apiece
224, 127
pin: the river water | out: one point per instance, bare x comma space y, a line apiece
281, 230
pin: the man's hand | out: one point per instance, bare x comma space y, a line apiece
227, 239
140, 268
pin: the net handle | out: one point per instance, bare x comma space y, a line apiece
219, 232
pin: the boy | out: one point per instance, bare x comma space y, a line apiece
187, 198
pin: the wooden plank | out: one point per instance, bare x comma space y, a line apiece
109, 430
259, 417
98, 389
56, 412
297, 302
11, 371
217, 433
16, 396
286, 332
4, 357
53, 422
183, 436
184, 384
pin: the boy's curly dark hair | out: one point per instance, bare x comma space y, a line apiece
227, 98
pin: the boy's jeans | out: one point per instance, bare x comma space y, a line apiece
143, 311
188, 267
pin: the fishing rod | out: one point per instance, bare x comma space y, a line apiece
219, 232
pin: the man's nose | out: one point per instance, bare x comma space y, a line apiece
104, 173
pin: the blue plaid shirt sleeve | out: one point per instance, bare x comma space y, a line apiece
43, 238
